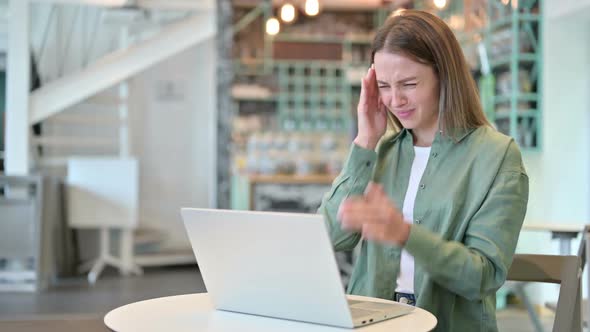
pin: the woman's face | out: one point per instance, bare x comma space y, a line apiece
409, 90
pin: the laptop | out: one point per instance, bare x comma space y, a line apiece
279, 265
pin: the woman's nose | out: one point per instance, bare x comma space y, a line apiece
399, 99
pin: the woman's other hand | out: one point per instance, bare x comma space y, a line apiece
372, 114
375, 216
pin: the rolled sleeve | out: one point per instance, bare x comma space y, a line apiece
359, 168
352, 181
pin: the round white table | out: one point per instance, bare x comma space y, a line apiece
195, 313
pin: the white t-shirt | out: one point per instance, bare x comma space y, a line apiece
405, 279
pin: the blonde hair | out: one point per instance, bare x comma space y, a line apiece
426, 39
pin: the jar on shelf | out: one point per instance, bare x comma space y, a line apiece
252, 163
268, 163
285, 164
303, 165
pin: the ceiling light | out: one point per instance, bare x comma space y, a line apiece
288, 13
312, 7
440, 4
273, 26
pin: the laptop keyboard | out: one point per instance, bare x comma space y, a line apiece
367, 308
374, 306
356, 312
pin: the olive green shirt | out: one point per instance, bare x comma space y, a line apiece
468, 213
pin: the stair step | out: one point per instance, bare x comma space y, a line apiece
75, 142
86, 119
101, 100
62, 161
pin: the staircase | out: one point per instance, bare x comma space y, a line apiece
82, 108
86, 58
95, 127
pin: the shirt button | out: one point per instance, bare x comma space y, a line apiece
368, 163
422, 186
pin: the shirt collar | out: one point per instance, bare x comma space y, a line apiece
459, 135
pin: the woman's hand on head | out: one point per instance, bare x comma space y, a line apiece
375, 216
372, 114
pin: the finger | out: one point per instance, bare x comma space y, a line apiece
341, 208
369, 71
349, 206
356, 215
381, 107
373, 91
363, 96
371, 191
387, 213
353, 213
361, 209
374, 232
380, 190
380, 209
351, 221
365, 86
375, 192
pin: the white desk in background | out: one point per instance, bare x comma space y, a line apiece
195, 313
563, 233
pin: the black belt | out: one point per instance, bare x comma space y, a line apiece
404, 298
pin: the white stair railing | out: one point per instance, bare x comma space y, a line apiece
62, 93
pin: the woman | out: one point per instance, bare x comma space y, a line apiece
438, 205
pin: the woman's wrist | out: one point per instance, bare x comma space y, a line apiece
365, 142
404, 234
